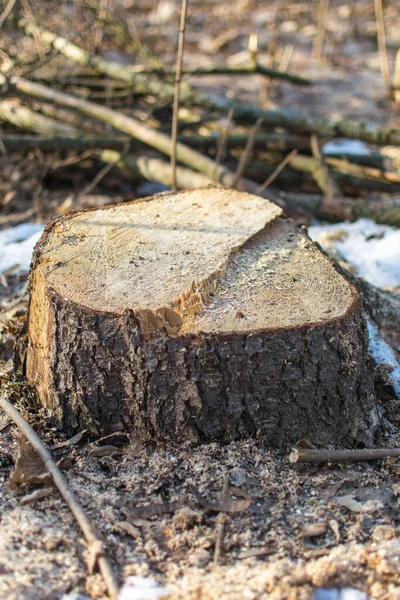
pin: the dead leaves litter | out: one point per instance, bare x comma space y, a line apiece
29, 468
228, 505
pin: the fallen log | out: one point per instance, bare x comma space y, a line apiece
199, 315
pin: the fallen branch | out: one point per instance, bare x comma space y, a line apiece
254, 69
136, 129
24, 117
142, 83
385, 211
130, 74
95, 543
155, 169
305, 455
24, 143
267, 141
292, 121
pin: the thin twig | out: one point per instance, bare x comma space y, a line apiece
304, 455
318, 45
278, 169
102, 17
383, 56
222, 143
178, 72
329, 187
100, 175
247, 151
221, 522
93, 540
6, 12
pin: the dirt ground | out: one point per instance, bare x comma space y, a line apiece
306, 526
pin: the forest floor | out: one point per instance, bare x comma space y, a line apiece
307, 527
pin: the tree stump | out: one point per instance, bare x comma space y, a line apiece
201, 315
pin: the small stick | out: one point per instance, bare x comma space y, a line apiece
318, 46
66, 492
178, 72
221, 522
222, 144
6, 12
303, 455
383, 56
247, 151
102, 17
278, 169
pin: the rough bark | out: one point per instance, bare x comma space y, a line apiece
237, 329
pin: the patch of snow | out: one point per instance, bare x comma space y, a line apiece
340, 594
343, 146
16, 246
383, 354
373, 249
142, 588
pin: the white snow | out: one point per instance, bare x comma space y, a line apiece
377, 259
344, 146
384, 355
142, 588
16, 246
374, 250
340, 594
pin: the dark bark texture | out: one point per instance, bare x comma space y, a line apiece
280, 386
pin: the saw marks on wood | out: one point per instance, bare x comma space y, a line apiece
278, 279
161, 258
203, 260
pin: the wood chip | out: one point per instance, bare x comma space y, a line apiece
255, 552
155, 509
36, 495
349, 502
226, 506
129, 528
314, 530
334, 525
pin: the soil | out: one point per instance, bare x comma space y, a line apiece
306, 526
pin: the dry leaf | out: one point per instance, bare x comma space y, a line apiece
103, 451
29, 467
36, 495
74, 440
